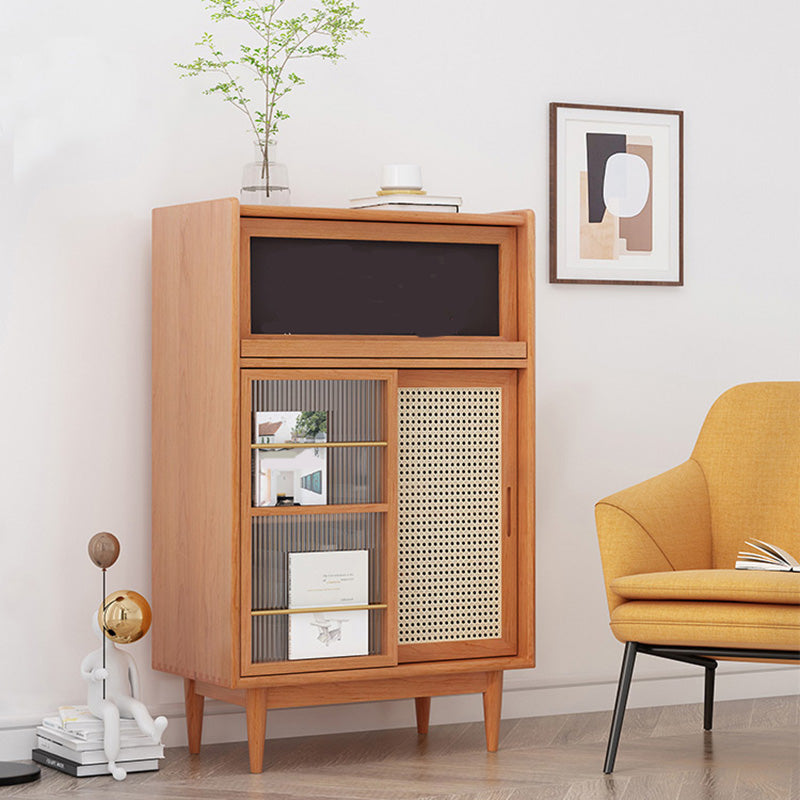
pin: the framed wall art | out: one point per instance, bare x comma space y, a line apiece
616, 195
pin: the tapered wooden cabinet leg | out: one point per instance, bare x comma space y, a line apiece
194, 715
256, 708
423, 709
492, 705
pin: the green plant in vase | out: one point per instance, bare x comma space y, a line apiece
266, 62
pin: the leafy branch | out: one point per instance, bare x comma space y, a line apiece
277, 41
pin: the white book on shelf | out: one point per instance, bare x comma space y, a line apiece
326, 581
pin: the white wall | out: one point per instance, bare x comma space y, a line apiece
96, 129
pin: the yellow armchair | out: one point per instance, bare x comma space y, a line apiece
669, 546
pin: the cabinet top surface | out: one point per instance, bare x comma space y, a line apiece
513, 218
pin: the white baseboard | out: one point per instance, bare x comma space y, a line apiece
523, 696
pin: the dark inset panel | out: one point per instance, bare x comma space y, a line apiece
326, 286
599, 148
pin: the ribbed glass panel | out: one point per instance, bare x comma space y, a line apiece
355, 414
274, 537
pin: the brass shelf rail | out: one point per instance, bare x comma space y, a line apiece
286, 445
269, 612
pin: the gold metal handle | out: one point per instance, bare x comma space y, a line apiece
508, 511
275, 611
284, 445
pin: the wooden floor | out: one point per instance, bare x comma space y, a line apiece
752, 754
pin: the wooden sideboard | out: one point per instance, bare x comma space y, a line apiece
413, 333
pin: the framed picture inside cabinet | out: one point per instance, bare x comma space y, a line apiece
616, 195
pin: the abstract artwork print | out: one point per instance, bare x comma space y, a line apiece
616, 195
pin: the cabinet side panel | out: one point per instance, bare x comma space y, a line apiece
195, 427
526, 442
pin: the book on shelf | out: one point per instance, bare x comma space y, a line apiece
88, 770
408, 201
324, 581
766, 556
95, 754
294, 475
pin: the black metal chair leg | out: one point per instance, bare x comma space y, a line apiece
708, 699
628, 660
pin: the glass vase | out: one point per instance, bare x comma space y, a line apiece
265, 184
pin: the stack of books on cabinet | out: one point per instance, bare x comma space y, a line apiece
401, 190
408, 200
72, 741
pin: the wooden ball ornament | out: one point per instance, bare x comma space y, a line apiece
125, 616
103, 549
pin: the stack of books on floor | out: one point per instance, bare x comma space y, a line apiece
72, 741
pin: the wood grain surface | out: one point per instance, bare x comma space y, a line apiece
195, 430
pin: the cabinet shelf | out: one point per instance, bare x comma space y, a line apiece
348, 508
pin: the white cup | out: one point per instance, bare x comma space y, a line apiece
401, 176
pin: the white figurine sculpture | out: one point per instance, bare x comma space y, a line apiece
121, 697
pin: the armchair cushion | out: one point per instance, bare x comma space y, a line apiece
692, 623
729, 585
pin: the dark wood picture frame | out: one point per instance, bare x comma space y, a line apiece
660, 219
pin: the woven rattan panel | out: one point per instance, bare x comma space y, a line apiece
449, 526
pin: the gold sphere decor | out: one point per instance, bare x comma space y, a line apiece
125, 616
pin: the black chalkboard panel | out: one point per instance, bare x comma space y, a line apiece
329, 286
